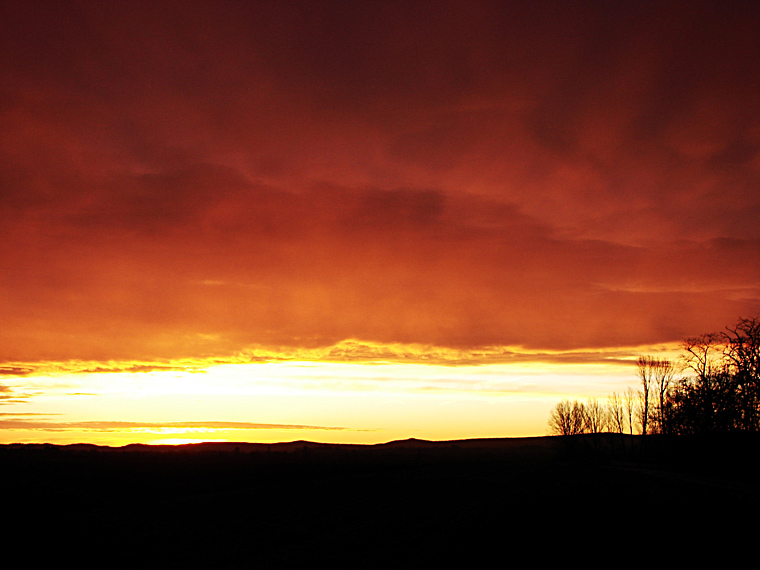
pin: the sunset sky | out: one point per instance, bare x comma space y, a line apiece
363, 221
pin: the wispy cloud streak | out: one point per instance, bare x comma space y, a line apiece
127, 426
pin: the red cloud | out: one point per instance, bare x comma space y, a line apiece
194, 181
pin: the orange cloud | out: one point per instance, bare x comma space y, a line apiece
120, 426
200, 182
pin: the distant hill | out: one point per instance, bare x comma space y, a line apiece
300, 445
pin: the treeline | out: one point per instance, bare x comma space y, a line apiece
713, 388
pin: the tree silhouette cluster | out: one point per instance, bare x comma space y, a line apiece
717, 391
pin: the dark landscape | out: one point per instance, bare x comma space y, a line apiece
402, 504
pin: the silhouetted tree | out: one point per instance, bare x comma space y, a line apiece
702, 354
742, 350
616, 413
616, 416
629, 402
707, 402
645, 370
567, 418
704, 406
595, 416
656, 375
722, 394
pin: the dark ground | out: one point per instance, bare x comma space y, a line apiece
401, 505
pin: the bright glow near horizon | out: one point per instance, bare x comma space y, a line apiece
317, 401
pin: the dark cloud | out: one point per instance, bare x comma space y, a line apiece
196, 179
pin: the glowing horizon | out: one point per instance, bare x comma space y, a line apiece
325, 401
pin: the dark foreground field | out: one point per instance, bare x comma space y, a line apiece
409, 504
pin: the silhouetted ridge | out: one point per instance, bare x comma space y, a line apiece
411, 442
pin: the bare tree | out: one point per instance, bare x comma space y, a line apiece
722, 395
616, 413
662, 373
702, 355
742, 350
645, 372
630, 404
567, 418
595, 417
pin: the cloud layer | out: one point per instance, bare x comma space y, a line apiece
11, 422
197, 179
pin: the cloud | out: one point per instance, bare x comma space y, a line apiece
138, 368
111, 426
15, 371
386, 266
9, 395
198, 180
362, 352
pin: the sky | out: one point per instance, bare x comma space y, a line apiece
363, 221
